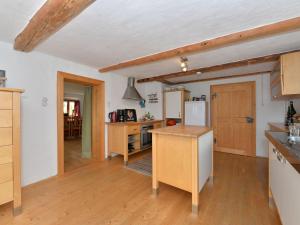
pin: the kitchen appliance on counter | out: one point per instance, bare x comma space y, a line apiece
146, 137
126, 115
196, 113
112, 117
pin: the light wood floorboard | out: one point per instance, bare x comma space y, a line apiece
108, 193
73, 159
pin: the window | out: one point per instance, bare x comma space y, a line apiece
71, 107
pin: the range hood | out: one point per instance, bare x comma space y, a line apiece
131, 92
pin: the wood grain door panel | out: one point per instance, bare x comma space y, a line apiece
233, 105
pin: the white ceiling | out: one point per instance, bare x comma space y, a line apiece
109, 32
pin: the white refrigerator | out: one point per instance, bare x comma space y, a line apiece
196, 113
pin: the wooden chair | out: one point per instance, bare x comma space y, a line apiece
76, 127
67, 127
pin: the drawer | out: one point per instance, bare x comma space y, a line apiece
5, 136
6, 192
5, 100
133, 129
6, 173
5, 118
5, 154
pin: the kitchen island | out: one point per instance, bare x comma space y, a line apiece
182, 156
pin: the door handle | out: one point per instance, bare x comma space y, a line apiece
249, 119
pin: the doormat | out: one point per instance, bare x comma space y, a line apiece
143, 165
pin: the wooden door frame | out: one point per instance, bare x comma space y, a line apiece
253, 84
98, 116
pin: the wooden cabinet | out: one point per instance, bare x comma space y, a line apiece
174, 104
10, 181
284, 182
120, 135
285, 79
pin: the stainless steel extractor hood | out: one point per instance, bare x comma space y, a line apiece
131, 92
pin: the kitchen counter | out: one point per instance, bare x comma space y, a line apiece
278, 127
128, 138
182, 156
290, 151
134, 123
182, 130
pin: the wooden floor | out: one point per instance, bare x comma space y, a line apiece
107, 193
73, 159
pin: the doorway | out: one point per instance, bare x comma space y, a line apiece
233, 117
80, 139
77, 125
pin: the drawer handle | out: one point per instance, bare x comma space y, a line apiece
279, 158
274, 150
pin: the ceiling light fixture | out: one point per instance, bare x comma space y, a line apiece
183, 64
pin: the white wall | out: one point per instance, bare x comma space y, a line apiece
266, 110
36, 73
156, 109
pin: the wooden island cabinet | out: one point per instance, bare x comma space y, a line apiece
10, 168
121, 134
182, 156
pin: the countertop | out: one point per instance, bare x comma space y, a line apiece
134, 123
278, 127
182, 130
12, 90
291, 152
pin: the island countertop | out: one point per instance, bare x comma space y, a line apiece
182, 130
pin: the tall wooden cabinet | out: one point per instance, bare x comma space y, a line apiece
10, 179
285, 79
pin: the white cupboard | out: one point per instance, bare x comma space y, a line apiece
284, 183
173, 104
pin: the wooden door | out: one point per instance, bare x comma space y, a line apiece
233, 118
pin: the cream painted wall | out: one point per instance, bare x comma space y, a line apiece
266, 110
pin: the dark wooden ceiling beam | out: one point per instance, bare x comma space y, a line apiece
52, 16
246, 62
255, 33
224, 77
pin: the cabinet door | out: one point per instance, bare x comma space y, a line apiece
290, 199
285, 185
275, 176
290, 67
173, 101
